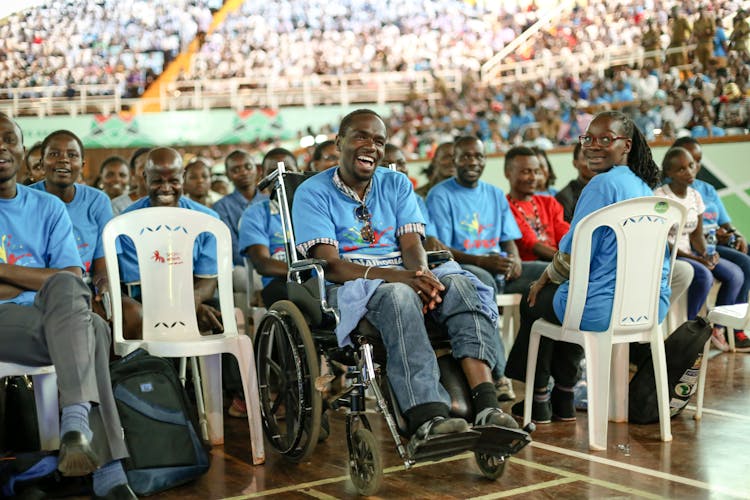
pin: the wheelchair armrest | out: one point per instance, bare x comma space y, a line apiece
437, 257
266, 181
308, 264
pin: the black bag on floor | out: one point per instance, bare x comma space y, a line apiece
160, 428
684, 353
34, 475
19, 430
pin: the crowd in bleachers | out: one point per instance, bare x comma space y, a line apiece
121, 43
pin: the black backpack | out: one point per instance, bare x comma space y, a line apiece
160, 428
684, 353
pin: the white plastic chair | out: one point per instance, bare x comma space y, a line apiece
170, 327
253, 283
736, 316
511, 304
642, 226
44, 381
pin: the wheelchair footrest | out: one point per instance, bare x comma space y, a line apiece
442, 446
496, 440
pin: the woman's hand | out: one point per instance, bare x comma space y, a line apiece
536, 287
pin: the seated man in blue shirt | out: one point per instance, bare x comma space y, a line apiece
364, 221
474, 219
244, 174
45, 318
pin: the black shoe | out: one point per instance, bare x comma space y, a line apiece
76, 457
440, 425
563, 405
495, 416
541, 412
119, 492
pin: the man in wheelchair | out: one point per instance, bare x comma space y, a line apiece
365, 223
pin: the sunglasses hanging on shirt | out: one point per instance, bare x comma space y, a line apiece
364, 216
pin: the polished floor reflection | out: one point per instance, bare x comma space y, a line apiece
706, 459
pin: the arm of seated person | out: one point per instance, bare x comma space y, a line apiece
544, 252
209, 318
494, 263
266, 265
340, 271
8, 291
30, 278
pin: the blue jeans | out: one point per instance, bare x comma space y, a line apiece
743, 261
395, 310
489, 280
730, 276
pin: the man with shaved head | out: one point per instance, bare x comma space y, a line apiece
46, 319
164, 174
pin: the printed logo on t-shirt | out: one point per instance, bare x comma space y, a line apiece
354, 235
11, 253
475, 229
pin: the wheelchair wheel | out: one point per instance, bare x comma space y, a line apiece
492, 466
365, 462
287, 364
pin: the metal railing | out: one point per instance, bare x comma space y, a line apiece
234, 93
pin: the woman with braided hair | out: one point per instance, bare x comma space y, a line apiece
617, 152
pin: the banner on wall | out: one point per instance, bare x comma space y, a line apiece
178, 128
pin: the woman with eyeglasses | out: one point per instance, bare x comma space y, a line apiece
617, 152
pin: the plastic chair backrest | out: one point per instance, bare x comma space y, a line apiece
164, 238
641, 226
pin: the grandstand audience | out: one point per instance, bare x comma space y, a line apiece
125, 43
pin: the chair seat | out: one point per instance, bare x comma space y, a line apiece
732, 316
203, 346
508, 299
8, 369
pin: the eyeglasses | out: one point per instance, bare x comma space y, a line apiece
604, 141
363, 215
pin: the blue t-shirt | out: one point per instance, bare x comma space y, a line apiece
715, 214
473, 220
619, 184
204, 251
89, 212
430, 229
35, 231
322, 213
260, 224
230, 209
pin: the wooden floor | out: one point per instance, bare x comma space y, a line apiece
706, 459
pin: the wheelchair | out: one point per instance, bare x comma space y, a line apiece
295, 334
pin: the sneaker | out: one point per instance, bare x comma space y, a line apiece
238, 408
495, 416
563, 407
541, 412
504, 389
741, 341
718, 339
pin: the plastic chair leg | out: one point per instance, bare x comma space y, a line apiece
702, 381
662, 390
246, 360
618, 397
598, 349
534, 338
202, 421
212, 396
48, 411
